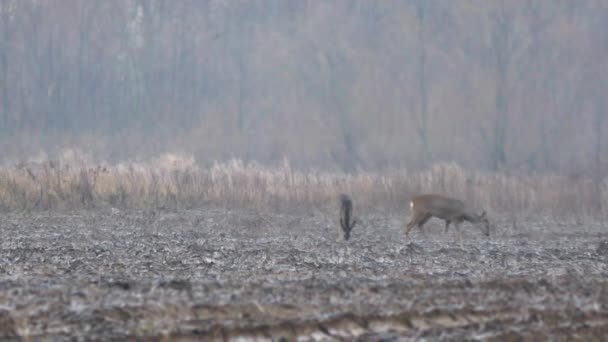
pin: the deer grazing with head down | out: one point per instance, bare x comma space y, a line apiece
451, 210
346, 212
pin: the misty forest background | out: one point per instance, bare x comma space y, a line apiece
340, 86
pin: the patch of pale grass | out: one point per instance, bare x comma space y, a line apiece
173, 181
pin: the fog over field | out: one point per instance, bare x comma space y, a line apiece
170, 170
341, 85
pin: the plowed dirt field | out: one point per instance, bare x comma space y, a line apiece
219, 274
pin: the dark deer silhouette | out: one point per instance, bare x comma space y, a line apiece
346, 211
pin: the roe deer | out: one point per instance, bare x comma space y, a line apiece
346, 211
423, 207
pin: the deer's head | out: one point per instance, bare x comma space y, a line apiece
347, 227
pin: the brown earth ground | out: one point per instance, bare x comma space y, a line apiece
227, 274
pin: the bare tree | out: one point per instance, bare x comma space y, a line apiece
422, 116
5, 34
502, 46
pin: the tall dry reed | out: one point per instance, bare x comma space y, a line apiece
172, 182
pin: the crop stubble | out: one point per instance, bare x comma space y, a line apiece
221, 274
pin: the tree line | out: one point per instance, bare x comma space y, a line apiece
347, 84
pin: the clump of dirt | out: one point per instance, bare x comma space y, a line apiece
212, 273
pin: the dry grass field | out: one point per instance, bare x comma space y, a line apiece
176, 182
241, 251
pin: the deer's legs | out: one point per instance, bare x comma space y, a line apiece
417, 220
410, 225
458, 232
422, 222
341, 230
414, 221
447, 225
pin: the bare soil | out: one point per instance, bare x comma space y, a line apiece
226, 274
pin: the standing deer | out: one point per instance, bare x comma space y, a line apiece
423, 207
346, 211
